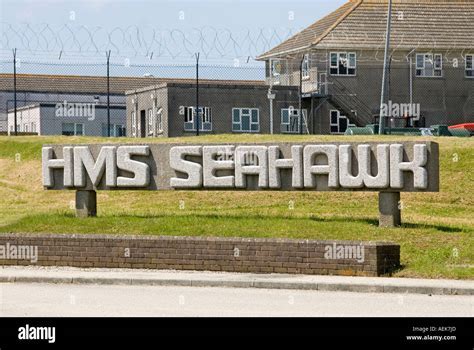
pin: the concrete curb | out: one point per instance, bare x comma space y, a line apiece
264, 282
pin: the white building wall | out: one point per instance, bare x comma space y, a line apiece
28, 120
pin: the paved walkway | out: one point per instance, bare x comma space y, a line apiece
58, 300
70, 275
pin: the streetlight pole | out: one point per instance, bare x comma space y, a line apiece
385, 69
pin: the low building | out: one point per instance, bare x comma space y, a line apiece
69, 119
168, 109
44, 88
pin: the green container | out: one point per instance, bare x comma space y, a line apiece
460, 132
359, 131
441, 130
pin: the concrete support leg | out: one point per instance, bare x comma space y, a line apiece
86, 204
389, 209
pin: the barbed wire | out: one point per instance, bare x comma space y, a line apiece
80, 44
144, 41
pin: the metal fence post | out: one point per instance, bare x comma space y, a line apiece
196, 115
108, 93
301, 96
385, 66
14, 93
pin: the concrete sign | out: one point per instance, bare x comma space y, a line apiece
317, 166
388, 168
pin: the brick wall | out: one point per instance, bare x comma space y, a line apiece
197, 253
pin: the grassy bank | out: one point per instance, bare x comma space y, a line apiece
437, 237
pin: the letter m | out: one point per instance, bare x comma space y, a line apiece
84, 163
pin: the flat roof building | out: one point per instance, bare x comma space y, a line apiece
69, 119
168, 109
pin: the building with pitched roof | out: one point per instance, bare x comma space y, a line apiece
338, 64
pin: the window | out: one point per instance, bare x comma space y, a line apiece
343, 63
73, 129
33, 127
275, 68
134, 123
470, 66
429, 65
205, 123
290, 120
26, 127
339, 123
245, 120
150, 121
189, 114
159, 119
116, 130
305, 67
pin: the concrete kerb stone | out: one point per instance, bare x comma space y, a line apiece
253, 283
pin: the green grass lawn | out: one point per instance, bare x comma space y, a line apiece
436, 238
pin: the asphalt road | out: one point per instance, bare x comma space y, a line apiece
32, 299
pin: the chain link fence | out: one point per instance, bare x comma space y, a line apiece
320, 92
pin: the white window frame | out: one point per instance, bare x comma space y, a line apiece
159, 119
435, 67
134, 123
298, 114
83, 129
207, 114
75, 128
274, 75
466, 70
338, 124
33, 127
189, 113
113, 129
150, 122
239, 122
305, 67
273, 71
206, 118
348, 65
150, 118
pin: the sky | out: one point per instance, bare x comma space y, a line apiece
165, 13
230, 32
